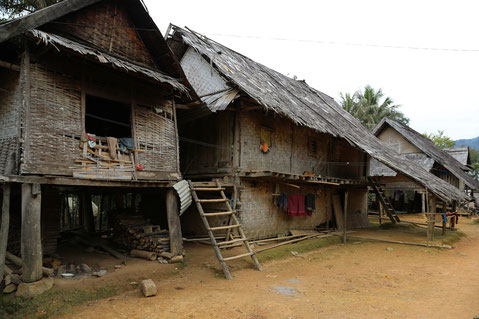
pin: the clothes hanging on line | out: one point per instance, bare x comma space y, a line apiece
310, 204
296, 205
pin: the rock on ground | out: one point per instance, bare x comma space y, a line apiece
148, 288
30, 290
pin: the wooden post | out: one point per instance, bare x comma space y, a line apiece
4, 227
381, 208
444, 210
31, 241
87, 212
431, 218
174, 225
423, 200
453, 217
345, 215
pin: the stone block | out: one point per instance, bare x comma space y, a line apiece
30, 290
148, 288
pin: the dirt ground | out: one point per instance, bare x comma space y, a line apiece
356, 280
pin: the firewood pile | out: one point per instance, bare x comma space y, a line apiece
136, 232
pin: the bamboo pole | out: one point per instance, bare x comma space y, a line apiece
294, 241
400, 242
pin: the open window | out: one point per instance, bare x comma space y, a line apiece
107, 118
312, 147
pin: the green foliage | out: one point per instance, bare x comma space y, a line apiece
441, 140
15, 8
474, 163
369, 106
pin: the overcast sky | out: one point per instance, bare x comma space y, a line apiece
438, 90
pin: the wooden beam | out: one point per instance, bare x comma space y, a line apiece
4, 227
345, 212
174, 224
40, 17
9, 66
31, 241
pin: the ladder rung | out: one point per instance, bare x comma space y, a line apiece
218, 214
236, 257
224, 227
196, 189
213, 200
231, 241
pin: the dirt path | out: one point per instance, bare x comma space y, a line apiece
357, 280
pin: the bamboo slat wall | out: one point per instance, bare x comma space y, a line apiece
10, 98
55, 123
107, 26
155, 133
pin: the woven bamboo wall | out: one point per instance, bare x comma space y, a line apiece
54, 127
155, 133
10, 101
107, 26
54, 123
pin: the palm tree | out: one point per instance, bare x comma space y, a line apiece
370, 108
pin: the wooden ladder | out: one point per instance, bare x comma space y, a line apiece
388, 207
233, 223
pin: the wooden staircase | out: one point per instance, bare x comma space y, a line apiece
232, 224
388, 207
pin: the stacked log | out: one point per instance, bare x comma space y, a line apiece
135, 232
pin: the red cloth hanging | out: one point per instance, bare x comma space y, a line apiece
296, 205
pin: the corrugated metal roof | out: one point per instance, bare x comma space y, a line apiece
184, 193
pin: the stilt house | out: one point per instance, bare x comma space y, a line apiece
271, 137
87, 108
406, 195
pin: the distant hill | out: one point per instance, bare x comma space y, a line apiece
471, 142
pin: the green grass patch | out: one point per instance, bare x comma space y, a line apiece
450, 237
476, 221
53, 303
300, 247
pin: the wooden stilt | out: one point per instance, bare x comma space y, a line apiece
174, 225
31, 242
345, 213
444, 209
431, 217
4, 227
87, 211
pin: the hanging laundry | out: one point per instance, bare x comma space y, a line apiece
127, 142
296, 205
112, 141
310, 204
283, 202
91, 138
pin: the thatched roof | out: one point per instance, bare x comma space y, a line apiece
304, 105
461, 154
379, 169
430, 149
146, 29
64, 44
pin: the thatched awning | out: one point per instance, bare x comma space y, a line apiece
62, 43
